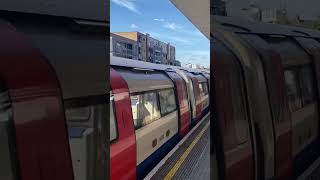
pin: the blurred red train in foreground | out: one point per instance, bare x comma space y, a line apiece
265, 94
152, 107
53, 108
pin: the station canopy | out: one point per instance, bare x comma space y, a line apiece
197, 11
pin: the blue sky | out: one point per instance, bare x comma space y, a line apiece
163, 21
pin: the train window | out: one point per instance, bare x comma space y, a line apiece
145, 109
306, 84
201, 89
205, 88
87, 129
239, 106
113, 126
7, 142
167, 101
293, 91
78, 114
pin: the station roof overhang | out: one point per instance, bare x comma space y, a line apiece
198, 12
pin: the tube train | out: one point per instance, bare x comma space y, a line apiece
52, 104
152, 107
265, 92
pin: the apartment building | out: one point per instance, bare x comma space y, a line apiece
123, 47
150, 49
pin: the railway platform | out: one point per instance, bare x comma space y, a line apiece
190, 159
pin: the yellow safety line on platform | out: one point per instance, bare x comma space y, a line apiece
177, 165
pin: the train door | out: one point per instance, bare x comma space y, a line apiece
203, 93
274, 74
182, 96
195, 86
122, 136
235, 153
303, 106
191, 95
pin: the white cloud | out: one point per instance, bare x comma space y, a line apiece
129, 4
172, 26
134, 26
161, 20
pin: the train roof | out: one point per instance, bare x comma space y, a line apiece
123, 62
239, 25
139, 81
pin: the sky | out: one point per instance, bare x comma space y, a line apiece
163, 21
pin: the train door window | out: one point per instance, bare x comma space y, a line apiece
167, 101
201, 89
293, 91
205, 88
87, 129
113, 125
306, 84
184, 95
239, 106
145, 108
7, 152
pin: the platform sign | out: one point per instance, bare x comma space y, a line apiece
97, 10
197, 11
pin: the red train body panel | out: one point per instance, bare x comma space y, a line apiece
122, 149
34, 91
38, 95
238, 154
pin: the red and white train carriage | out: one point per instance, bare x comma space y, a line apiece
265, 99
152, 106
